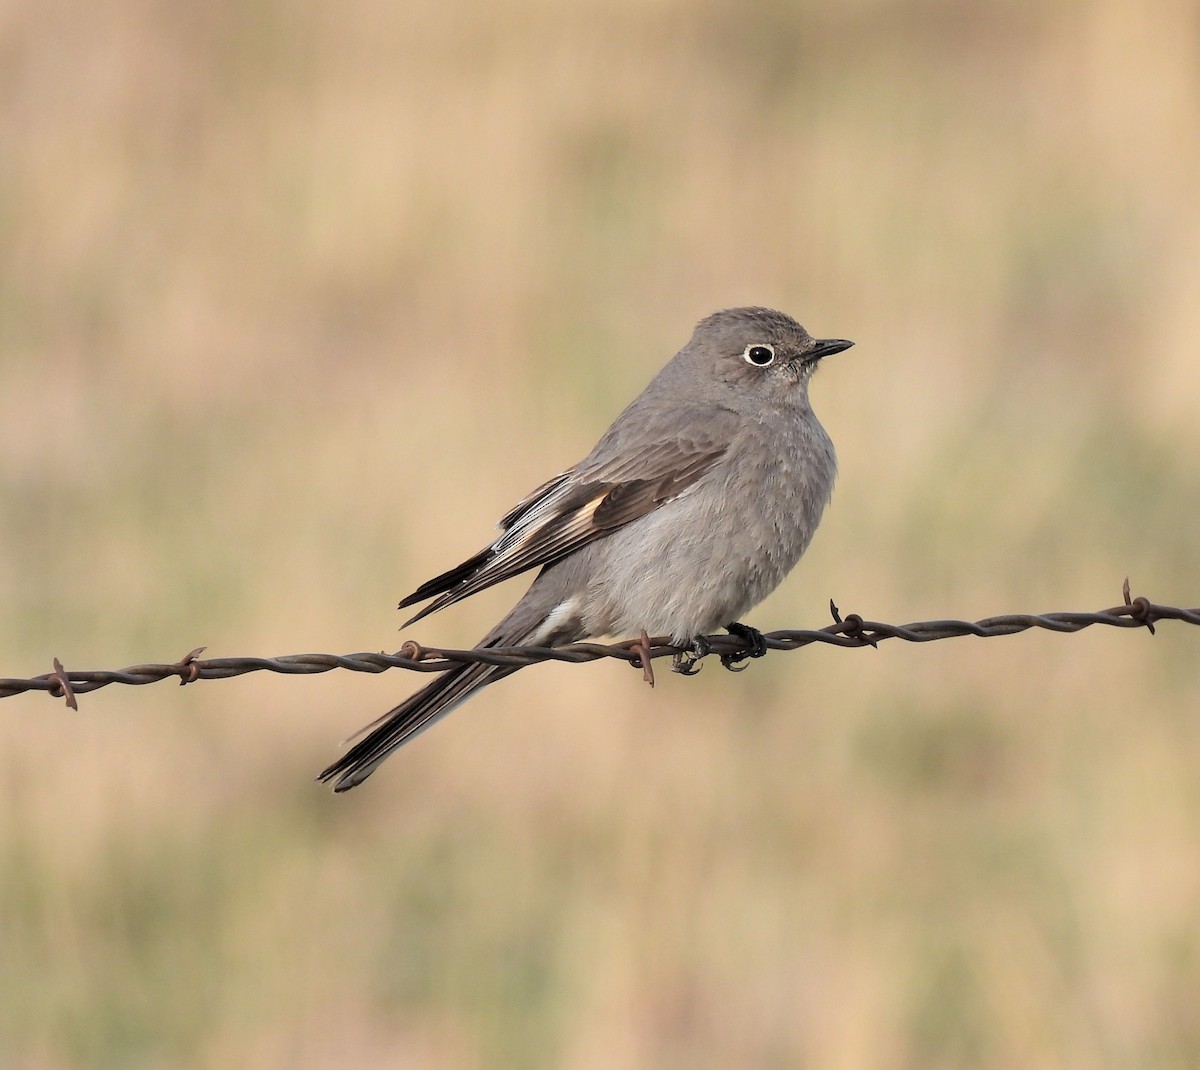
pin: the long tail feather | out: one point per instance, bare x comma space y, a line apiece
412, 716
547, 613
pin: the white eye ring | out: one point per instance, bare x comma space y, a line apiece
759, 354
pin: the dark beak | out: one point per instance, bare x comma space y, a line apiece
826, 348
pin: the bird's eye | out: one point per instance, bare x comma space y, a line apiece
760, 356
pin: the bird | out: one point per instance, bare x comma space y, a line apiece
691, 508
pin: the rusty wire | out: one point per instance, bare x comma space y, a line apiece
850, 631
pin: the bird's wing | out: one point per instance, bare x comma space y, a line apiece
586, 502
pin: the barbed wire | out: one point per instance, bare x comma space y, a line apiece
851, 631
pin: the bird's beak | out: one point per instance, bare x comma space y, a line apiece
826, 348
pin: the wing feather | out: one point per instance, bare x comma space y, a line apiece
596, 497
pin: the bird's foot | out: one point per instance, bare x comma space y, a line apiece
752, 637
687, 662
641, 647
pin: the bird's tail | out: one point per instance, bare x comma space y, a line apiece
413, 715
545, 615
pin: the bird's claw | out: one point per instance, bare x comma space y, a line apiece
687, 662
752, 637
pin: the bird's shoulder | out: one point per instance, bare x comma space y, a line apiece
643, 460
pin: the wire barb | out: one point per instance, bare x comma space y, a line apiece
189, 670
1140, 606
62, 685
853, 631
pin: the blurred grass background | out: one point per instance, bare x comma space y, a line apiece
297, 299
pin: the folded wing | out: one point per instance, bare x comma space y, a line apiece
582, 504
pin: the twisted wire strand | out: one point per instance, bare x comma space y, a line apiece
852, 631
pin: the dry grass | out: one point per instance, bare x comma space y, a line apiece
295, 300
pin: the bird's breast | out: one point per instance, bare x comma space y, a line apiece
705, 558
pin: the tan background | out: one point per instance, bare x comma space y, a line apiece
297, 299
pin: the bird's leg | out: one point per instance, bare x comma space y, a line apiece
752, 637
642, 649
687, 662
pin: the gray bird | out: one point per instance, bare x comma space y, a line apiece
693, 506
